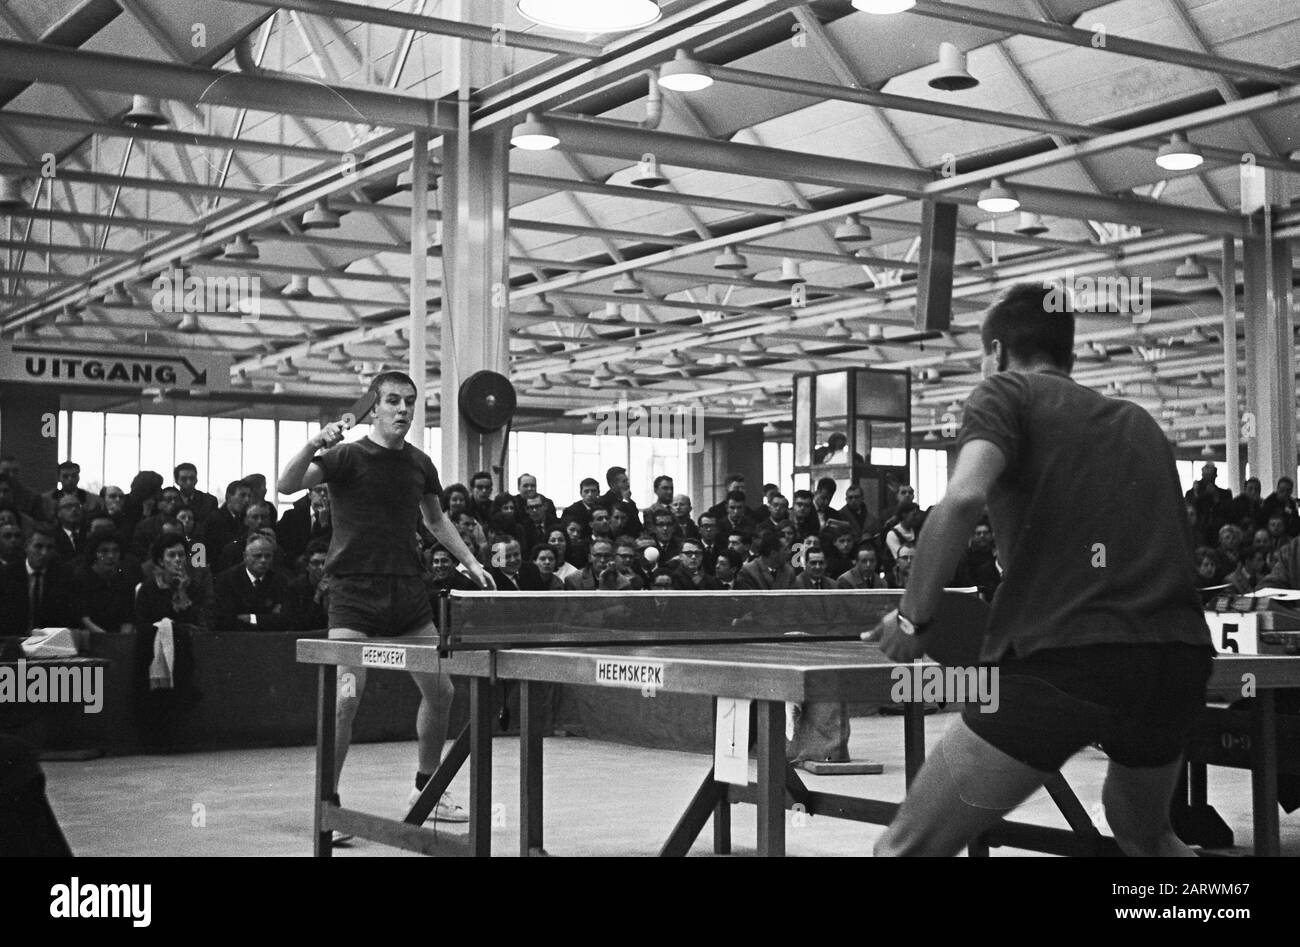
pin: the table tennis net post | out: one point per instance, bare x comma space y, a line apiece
485, 620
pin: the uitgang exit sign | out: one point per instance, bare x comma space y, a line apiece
41, 364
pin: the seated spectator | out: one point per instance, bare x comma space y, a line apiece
1282, 502
802, 516
768, 570
69, 477
189, 524
778, 514
546, 559
681, 510
837, 541
579, 543
660, 581
714, 542
70, 532
602, 572
256, 519
527, 484
480, 497
445, 574
509, 570
1277, 530
865, 573
903, 566
1285, 572
471, 532
170, 592
149, 528
814, 571
619, 524
1207, 568
11, 539
257, 494
1252, 567
9, 504
303, 525
619, 494
664, 533
726, 566
825, 492
738, 515
628, 561
589, 500
905, 494
1230, 539
537, 523
904, 532
855, 512
502, 519
663, 501
455, 500
979, 565
788, 536
1213, 504
307, 596
740, 542
227, 524
688, 574
251, 596
559, 541
1247, 510
38, 591
186, 477
106, 588
735, 483
600, 526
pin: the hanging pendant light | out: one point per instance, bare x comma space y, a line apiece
952, 75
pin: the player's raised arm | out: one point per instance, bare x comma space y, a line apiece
443, 531
298, 474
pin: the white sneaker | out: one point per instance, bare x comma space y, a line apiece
447, 809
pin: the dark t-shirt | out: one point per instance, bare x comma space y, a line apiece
375, 495
1089, 519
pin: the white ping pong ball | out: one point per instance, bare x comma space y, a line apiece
651, 555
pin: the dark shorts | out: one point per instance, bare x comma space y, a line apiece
1139, 702
381, 606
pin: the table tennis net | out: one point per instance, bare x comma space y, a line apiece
471, 618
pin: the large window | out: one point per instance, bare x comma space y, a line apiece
561, 461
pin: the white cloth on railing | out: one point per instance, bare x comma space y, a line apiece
164, 656
50, 643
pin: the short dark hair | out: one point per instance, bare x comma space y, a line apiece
663, 515
803, 495
1282, 480
706, 515
662, 478
384, 378
745, 535
176, 471
732, 557
732, 478
1254, 480
69, 465
768, 543
737, 496
588, 482
253, 478
233, 487
1028, 328
612, 474
827, 485
41, 531
164, 541
315, 546
905, 508
481, 475
539, 549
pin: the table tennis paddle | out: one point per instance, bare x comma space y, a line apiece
956, 633
360, 409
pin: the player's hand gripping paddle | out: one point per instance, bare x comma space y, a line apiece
331, 434
953, 638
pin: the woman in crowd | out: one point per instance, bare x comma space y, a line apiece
546, 559
559, 541
576, 535
455, 500
502, 521
107, 591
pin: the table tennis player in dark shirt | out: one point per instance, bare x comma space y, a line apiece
1096, 630
380, 487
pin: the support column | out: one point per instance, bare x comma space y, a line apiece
24, 411
1270, 357
1231, 410
416, 331
475, 261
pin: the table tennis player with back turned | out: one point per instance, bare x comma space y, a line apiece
1096, 629
380, 486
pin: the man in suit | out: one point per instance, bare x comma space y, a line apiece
257, 518
250, 596
664, 532
480, 497
11, 541
580, 510
38, 591
538, 520
203, 504
150, 528
689, 574
1213, 504
70, 536
257, 494
69, 477
527, 484
768, 569
602, 572
509, 570
305, 523
307, 597
227, 523
814, 572
620, 494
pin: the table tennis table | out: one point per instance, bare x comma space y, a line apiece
721, 660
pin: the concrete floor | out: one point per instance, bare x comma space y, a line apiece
601, 799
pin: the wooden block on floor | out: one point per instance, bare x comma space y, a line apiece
847, 768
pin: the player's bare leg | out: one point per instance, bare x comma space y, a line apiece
351, 685
436, 693
965, 788
1137, 809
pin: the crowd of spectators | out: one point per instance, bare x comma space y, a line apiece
119, 560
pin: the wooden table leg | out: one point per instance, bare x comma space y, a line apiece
326, 700
1263, 773
771, 778
913, 738
722, 824
480, 767
530, 770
